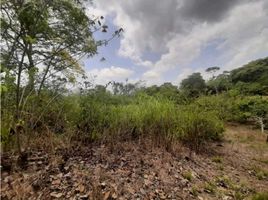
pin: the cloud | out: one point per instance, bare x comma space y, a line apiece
207, 10
104, 75
179, 30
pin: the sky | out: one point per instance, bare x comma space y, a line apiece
166, 41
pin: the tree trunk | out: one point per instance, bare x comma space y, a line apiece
44, 77
260, 119
31, 70
17, 115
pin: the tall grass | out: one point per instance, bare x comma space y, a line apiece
113, 118
146, 116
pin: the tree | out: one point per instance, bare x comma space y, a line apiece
193, 85
220, 83
213, 70
253, 76
255, 108
120, 88
254, 71
43, 40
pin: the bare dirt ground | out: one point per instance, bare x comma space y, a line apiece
234, 169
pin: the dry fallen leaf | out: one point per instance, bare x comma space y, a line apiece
56, 182
131, 190
107, 195
80, 188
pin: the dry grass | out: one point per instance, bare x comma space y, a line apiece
245, 139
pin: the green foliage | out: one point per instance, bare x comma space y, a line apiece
194, 85
168, 91
219, 84
198, 126
252, 78
250, 108
222, 105
149, 116
255, 71
250, 88
146, 113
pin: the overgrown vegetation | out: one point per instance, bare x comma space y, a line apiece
40, 57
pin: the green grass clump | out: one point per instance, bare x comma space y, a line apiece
217, 159
210, 187
194, 191
260, 196
260, 173
187, 175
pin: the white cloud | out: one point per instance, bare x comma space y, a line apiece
104, 75
179, 37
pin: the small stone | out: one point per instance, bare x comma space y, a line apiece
227, 198
200, 198
142, 191
39, 163
56, 195
103, 185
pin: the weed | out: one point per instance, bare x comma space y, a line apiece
210, 187
194, 191
260, 196
187, 175
217, 159
260, 173
220, 167
238, 195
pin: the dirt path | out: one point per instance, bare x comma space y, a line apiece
235, 169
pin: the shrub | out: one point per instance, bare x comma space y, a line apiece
253, 108
196, 127
222, 105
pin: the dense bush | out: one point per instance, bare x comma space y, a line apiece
252, 108
222, 105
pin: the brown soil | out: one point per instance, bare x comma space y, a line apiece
234, 169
